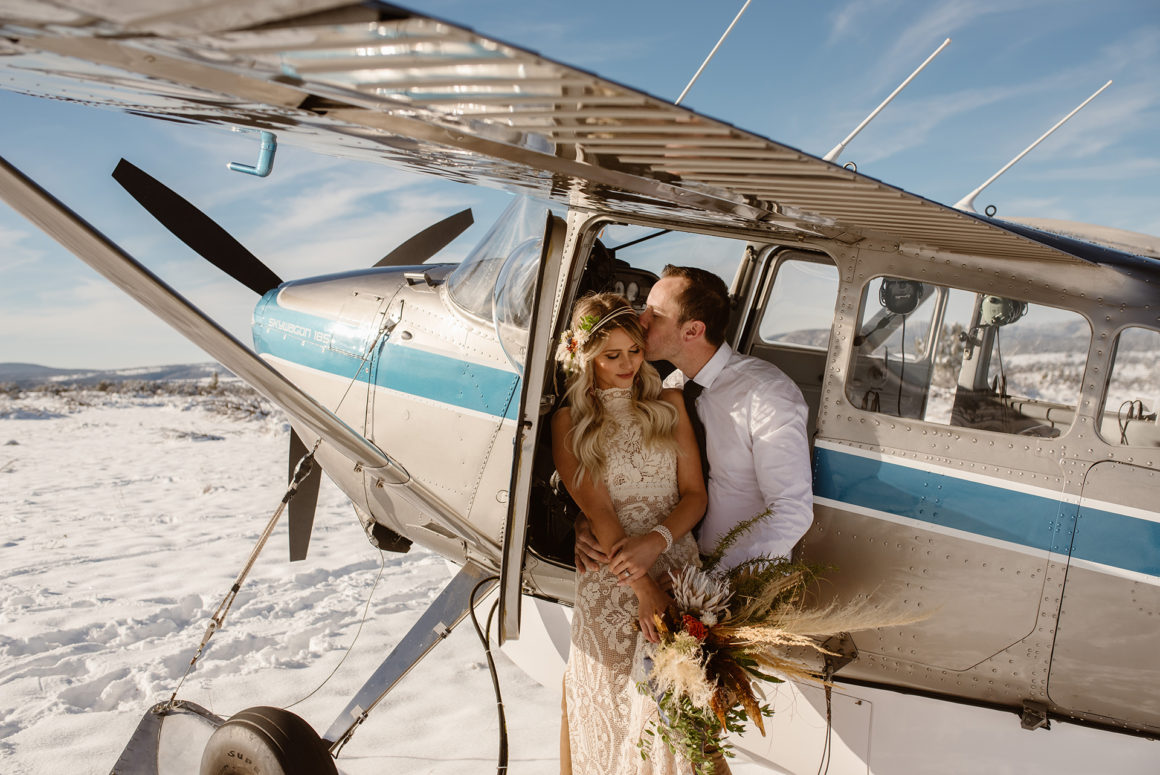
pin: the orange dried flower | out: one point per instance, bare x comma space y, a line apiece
695, 627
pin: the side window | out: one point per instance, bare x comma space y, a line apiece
973, 360
800, 308
1130, 408
796, 320
896, 353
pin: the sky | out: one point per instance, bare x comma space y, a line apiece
801, 74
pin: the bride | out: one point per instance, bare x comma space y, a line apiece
625, 450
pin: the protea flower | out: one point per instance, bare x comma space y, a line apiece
697, 592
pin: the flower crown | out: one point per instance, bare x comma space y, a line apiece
574, 339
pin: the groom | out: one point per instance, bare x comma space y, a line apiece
755, 451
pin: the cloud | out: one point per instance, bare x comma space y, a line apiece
1120, 212
15, 253
1138, 51
909, 124
1127, 169
1040, 207
938, 22
96, 325
1107, 123
1103, 125
855, 15
916, 29
347, 223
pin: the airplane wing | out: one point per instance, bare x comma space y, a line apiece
378, 82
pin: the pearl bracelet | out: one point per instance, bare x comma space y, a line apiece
665, 534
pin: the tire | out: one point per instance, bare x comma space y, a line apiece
266, 741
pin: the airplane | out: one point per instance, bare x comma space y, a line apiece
991, 469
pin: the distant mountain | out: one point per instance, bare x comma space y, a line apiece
31, 374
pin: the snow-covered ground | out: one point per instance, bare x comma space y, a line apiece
125, 518
123, 522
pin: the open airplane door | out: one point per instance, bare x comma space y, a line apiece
525, 325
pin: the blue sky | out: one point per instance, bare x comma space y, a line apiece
801, 74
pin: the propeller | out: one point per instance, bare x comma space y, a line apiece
428, 242
196, 229
304, 502
217, 246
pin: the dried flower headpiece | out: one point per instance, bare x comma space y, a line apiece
573, 340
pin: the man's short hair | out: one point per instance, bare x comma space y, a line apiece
704, 297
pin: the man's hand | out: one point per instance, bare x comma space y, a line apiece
589, 555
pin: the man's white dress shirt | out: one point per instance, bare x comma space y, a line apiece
755, 439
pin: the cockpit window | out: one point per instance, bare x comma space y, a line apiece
472, 286
649, 249
974, 360
514, 299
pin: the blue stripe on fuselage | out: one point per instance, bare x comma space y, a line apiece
1000, 513
1118, 540
304, 339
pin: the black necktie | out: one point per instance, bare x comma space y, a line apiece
691, 391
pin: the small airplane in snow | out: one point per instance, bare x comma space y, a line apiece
982, 392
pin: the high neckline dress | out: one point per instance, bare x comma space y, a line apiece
607, 715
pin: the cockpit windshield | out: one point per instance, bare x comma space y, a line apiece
497, 280
472, 285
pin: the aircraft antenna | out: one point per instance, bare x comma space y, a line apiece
967, 203
697, 74
836, 151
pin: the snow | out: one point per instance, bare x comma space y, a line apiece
124, 520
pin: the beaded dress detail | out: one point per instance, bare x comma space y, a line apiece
606, 712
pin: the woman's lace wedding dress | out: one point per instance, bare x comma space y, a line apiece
606, 713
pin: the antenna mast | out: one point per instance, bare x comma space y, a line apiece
697, 74
967, 203
836, 151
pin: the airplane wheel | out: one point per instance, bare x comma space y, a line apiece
266, 741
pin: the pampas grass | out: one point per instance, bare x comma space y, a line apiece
731, 628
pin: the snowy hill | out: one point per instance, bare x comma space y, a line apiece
31, 374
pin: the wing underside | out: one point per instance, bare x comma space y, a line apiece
377, 82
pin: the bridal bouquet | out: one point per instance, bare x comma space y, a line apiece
729, 630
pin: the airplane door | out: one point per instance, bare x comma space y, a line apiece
536, 312
1104, 659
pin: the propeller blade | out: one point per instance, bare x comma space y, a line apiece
196, 229
428, 242
302, 505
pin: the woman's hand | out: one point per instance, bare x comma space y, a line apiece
653, 602
633, 556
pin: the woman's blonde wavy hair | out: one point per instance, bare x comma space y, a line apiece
658, 419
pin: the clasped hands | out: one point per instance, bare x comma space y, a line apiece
630, 560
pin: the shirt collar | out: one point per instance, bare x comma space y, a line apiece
715, 365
